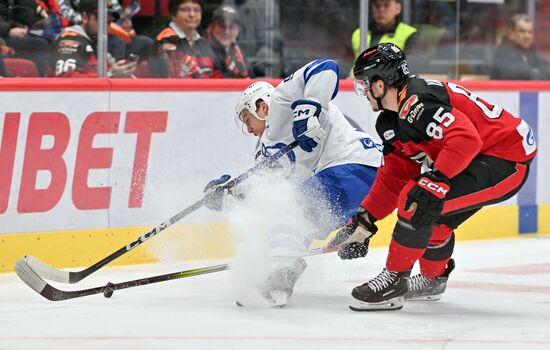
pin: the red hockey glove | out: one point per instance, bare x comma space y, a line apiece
427, 197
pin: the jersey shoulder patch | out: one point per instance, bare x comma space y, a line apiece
421, 97
167, 34
386, 126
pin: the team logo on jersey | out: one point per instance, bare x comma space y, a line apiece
529, 144
389, 134
168, 47
408, 112
268, 151
368, 143
530, 139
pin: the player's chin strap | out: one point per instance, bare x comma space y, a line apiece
379, 98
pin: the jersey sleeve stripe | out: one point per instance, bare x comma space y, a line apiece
319, 66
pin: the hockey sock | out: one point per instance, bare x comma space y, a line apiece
401, 258
439, 251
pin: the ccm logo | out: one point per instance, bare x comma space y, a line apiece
436, 188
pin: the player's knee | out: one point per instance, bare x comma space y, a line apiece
440, 250
408, 236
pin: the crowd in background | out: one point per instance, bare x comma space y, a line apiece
268, 38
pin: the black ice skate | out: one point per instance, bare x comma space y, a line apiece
429, 289
279, 286
384, 292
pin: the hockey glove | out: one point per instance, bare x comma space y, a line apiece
215, 193
359, 231
427, 198
306, 128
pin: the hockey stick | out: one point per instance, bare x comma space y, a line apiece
33, 280
54, 274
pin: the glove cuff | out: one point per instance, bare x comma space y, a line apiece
366, 219
360, 235
436, 184
302, 108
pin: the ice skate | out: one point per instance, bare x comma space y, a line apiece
429, 289
279, 286
384, 292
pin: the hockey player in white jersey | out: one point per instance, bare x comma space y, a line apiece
340, 161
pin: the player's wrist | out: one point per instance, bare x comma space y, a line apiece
304, 108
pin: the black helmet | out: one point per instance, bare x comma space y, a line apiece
385, 61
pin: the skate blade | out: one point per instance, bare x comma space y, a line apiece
425, 298
388, 305
275, 299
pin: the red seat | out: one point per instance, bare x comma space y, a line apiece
20, 67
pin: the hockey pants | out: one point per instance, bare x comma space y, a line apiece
487, 180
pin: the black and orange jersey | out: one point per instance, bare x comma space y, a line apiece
441, 126
231, 59
74, 54
182, 58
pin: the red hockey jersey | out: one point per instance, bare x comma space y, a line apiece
441, 126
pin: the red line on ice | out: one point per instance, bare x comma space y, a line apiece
283, 338
516, 270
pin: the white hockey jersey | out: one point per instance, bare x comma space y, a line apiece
340, 144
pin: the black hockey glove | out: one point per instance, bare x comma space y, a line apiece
355, 237
427, 198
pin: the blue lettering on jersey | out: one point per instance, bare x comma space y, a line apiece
530, 138
368, 143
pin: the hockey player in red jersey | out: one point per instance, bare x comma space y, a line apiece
447, 153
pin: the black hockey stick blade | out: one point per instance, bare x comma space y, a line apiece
51, 273
33, 280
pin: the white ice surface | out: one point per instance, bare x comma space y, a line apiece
504, 309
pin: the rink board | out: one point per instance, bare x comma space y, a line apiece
90, 165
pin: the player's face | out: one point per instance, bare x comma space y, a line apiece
385, 12
188, 17
376, 90
254, 123
225, 32
523, 34
89, 21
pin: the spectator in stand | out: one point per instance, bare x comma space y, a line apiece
182, 52
387, 27
517, 58
22, 24
222, 34
122, 40
75, 49
122, 27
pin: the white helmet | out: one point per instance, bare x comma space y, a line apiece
260, 90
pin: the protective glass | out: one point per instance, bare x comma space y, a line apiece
362, 86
